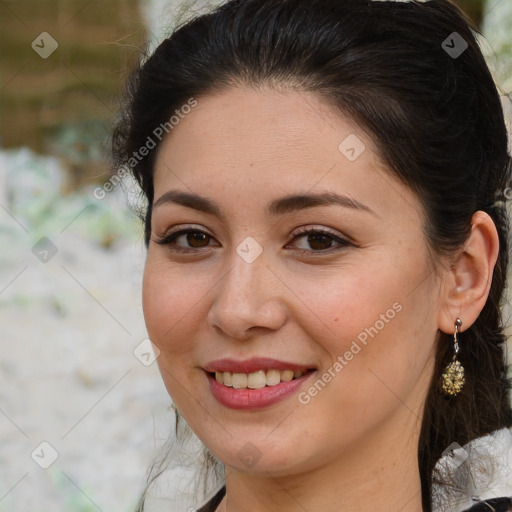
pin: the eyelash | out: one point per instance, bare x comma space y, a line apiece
171, 237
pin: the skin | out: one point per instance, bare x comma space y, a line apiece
354, 445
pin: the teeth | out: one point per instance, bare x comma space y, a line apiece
227, 377
256, 380
273, 377
286, 376
239, 380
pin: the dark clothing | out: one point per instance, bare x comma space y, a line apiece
492, 505
214, 502
496, 504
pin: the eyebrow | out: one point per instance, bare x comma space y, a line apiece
287, 204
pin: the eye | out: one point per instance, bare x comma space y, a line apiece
195, 238
319, 240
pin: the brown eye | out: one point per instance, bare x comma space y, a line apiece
197, 238
185, 240
319, 241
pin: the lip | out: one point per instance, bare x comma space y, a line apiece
252, 365
254, 399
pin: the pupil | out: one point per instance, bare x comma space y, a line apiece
318, 237
196, 237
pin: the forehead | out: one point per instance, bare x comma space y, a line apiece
260, 119
254, 142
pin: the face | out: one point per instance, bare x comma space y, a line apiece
301, 256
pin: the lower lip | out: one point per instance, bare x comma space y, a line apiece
252, 399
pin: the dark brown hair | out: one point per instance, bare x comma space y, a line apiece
434, 114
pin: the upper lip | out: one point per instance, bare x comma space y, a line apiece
253, 365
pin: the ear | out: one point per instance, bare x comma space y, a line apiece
466, 285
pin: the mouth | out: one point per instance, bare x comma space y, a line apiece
258, 379
256, 383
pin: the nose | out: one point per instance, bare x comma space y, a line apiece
248, 299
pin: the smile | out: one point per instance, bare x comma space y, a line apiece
256, 380
255, 383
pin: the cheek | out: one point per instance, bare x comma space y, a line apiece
349, 306
171, 303
367, 325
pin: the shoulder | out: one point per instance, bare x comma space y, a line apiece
476, 477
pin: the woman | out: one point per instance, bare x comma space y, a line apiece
327, 250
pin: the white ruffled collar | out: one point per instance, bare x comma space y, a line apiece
480, 470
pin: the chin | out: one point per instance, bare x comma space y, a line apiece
258, 457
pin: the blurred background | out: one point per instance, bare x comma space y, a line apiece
83, 410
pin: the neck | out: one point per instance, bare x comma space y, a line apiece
381, 474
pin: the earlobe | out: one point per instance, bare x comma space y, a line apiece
468, 282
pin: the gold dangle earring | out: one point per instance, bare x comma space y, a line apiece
453, 375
